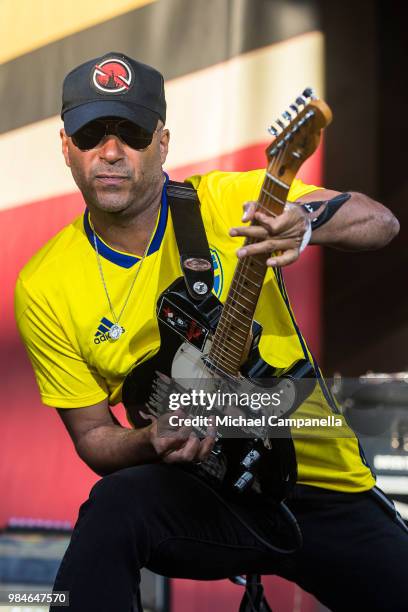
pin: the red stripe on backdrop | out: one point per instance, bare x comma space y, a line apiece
40, 475
202, 596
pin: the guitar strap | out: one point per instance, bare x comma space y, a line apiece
195, 257
198, 271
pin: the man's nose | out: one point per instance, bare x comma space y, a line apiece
111, 149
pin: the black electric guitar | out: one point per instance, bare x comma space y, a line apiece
209, 345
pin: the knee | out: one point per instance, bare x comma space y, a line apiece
127, 488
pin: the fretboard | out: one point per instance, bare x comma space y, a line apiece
230, 340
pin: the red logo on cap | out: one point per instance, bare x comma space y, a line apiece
112, 76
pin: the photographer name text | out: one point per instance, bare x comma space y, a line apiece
263, 420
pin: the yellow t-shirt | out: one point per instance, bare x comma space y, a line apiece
63, 316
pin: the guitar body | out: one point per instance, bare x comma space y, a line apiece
186, 330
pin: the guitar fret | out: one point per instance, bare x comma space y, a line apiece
255, 260
227, 336
247, 290
274, 197
240, 313
251, 271
247, 264
277, 181
232, 315
229, 340
225, 357
224, 331
222, 339
225, 369
240, 295
239, 321
246, 278
231, 357
266, 210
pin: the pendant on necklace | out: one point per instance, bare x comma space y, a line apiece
115, 332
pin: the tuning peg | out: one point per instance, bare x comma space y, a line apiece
309, 93
273, 131
300, 101
280, 123
286, 115
294, 108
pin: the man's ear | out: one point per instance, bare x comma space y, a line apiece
164, 144
64, 145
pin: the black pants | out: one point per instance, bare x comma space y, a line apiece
354, 555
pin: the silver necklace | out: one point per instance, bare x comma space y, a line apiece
116, 330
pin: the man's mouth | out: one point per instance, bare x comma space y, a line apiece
111, 179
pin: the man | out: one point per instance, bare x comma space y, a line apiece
86, 308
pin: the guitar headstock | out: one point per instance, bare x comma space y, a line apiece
297, 135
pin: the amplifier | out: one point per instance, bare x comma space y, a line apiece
376, 407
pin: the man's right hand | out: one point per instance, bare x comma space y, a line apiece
106, 446
178, 445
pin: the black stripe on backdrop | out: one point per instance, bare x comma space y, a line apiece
176, 36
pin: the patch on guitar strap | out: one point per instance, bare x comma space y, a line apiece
182, 323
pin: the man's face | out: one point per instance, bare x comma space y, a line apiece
113, 176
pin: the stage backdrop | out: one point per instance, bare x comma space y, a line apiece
231, 67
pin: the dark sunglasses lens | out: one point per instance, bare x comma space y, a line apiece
134, 135
89, 136
131, 134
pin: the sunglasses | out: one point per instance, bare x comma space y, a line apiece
89, 136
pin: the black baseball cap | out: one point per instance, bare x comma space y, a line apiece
113, 85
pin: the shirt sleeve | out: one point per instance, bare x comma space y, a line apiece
64, 378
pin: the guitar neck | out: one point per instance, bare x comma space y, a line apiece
296, 138
230, 340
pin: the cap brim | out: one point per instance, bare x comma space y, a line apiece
79, 116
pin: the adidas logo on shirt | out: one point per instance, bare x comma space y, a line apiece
102, 333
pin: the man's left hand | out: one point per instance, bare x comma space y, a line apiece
278, 236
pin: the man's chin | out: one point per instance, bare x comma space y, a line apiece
110, 205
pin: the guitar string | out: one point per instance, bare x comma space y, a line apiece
244, 268
245, 265
267, 189
262, 199
243, 273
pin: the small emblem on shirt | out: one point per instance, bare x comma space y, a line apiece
102, 333
218, 273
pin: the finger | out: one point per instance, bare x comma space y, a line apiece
268, 247
172, 457
167, 447
257, 232
148, 417
187, 453
191, 449
249, 210
205, 448
286, 222
288, 257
